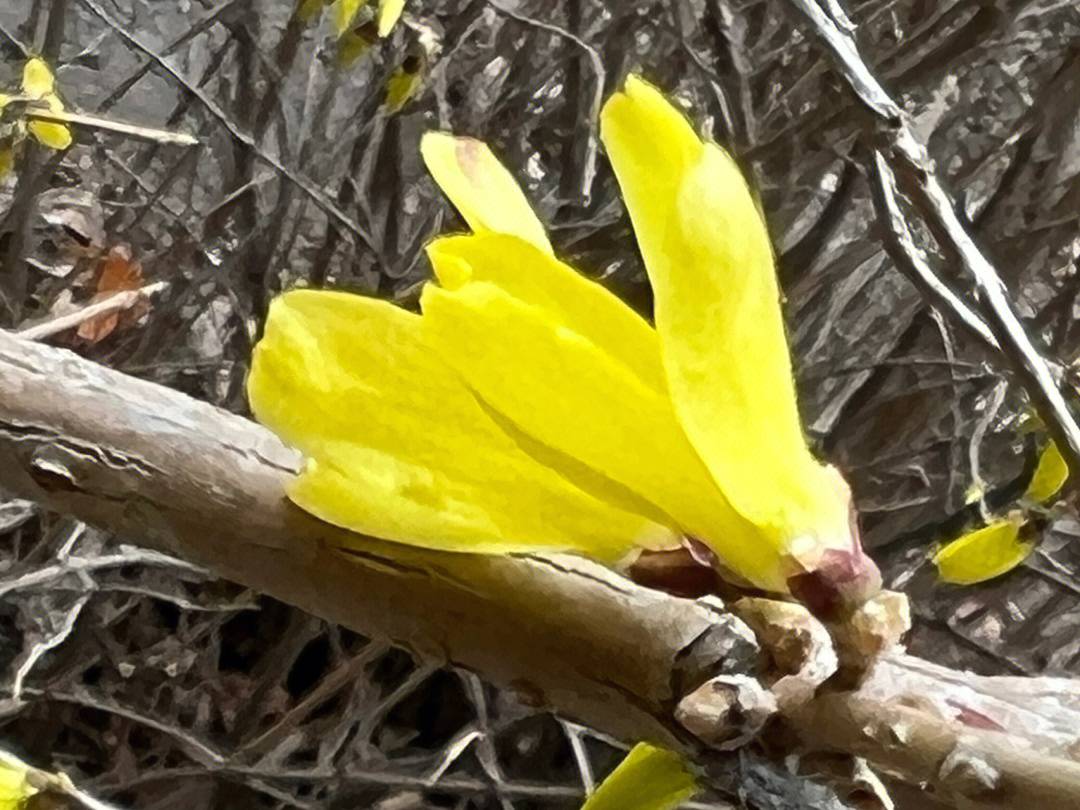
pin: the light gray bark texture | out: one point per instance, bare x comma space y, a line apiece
178, 475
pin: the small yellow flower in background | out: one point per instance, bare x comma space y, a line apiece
998, 547
343, 14
984, 553
39, 83
403, 85
1050, 476
528, 408
649, 778
14, 790
389, 13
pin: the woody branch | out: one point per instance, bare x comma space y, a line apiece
178, 475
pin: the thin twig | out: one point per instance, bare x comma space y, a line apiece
906, 253
909, 159
589, 170
304, 183
118, 127
114, 303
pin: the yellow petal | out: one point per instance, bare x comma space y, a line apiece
389, 13
14, 789
481, 188
399, 447
38, 80
650, 778
982, 554
719, 321
400, 88
569, 395
54, 136
343, 13
539, 279
1050, 476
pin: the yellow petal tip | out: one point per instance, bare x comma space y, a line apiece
481, 188
389, 14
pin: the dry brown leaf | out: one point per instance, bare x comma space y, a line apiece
118, 272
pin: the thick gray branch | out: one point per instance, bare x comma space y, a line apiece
181, 476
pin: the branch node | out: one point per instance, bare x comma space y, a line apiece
727, 711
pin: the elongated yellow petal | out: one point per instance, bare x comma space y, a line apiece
389, 13
650, 778
401, 449
1050, 475
983, 554
481, 188
719, 322
569, 395
539, 279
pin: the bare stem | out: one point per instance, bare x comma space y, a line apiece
905, 157
114, 303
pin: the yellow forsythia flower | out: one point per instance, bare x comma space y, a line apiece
649, 778
482, 190
344, 14
996, 548
528, 408
401, 87
38, 83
